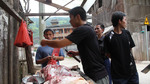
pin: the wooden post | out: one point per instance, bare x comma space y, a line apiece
29, 60
46, 14
10, 49
10, 10
29, 57
1, 48
15, 49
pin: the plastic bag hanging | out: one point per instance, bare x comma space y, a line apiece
22, 38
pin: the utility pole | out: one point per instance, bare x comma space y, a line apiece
146, 23
147, 40
41, 21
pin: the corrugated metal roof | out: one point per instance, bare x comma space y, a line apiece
88, 4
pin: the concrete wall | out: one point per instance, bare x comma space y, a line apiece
136, 11
103, 14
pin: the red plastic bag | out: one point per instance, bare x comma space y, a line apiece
22, 38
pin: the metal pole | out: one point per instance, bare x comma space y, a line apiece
147, 52
147, 44
41, 21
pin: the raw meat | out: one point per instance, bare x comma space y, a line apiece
58, 74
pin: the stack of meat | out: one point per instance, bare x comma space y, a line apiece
58, 74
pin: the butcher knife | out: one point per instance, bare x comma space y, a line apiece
146, 69
73, 56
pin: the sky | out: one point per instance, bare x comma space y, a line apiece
34, 5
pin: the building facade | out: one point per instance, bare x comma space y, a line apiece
136, 11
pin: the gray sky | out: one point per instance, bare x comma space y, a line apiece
34, 5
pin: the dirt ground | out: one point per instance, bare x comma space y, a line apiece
143, 78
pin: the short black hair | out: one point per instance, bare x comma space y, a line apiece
116, 16
78, 10
46, 30
101, 25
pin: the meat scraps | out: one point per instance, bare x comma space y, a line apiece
58, 74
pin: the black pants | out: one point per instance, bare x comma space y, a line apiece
134, 79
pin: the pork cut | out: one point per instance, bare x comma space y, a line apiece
58, 74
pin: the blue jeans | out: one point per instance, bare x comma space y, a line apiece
134, 79
107, 66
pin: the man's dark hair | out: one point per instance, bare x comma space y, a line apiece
101, 25
46, 30
78, 10
116, 16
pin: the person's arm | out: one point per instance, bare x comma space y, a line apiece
129, 37
56, 43
59, 58
107, 47
41, 61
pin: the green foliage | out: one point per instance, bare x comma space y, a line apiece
35, 29
35, 26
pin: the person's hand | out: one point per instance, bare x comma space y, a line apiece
43, 42
49, 58
71, 53
74, 67
54, 57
